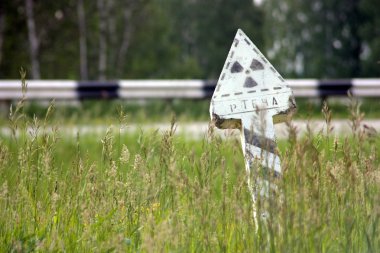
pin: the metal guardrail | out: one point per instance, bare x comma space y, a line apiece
192, 89
364, 87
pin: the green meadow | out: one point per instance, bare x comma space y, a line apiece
161, 192
97, 112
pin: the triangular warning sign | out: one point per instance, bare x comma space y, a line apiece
246, 71
252, 96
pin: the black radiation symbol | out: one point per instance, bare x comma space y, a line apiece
255, 66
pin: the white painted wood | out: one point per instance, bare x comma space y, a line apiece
248, 94
252, 96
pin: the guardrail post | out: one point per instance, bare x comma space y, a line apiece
4, 107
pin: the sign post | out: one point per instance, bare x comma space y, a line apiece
252, 96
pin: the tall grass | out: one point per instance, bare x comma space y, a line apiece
95, 112
160, 192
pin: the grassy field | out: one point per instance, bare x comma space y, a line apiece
103, 111
160, 192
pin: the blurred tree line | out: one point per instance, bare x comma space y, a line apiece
115, 39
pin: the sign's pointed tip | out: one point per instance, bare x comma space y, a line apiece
239, 31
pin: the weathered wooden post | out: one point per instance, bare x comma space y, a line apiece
252, 96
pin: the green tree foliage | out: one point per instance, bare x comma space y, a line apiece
168, 39
206, 28
190, 38
370, 31
56, 30
315, 39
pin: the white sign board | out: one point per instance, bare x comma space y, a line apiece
252, 96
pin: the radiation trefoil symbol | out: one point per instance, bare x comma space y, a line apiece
254, 66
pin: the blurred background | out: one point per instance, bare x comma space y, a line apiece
106, 40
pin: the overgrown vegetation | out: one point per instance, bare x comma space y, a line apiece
149, 111
159, 192
127, 39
